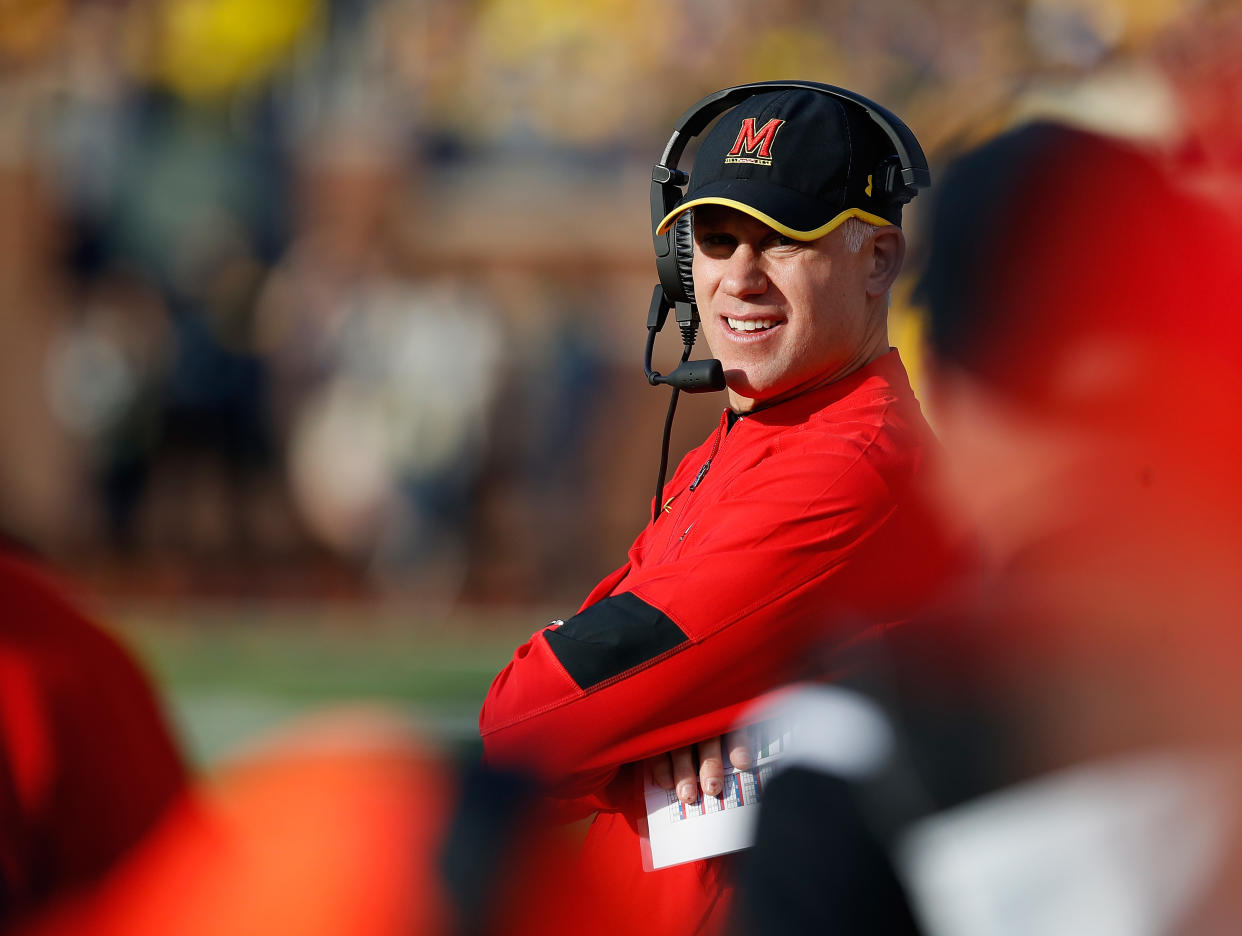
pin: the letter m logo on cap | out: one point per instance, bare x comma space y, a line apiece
754, 146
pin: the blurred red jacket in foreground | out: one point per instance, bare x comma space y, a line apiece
347, 827
87, 765
324, 839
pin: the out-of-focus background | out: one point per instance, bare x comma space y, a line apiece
322, 319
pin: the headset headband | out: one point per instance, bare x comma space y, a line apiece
908, 176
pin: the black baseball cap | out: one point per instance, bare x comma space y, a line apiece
800, 161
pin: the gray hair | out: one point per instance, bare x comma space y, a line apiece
854, 233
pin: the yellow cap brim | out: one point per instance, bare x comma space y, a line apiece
771, 222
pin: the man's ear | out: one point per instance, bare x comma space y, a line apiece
888, 251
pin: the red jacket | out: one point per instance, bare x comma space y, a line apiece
87, 763
798, 527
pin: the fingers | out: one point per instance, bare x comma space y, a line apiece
711, 767
662, 770
684, 775
676, 770
738, 745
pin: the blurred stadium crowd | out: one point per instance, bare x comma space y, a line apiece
313, 299
325, 297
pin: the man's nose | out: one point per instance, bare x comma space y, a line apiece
744, 275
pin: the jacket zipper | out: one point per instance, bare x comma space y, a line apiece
698, 479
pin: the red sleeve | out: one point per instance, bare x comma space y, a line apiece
87, 764
800, 551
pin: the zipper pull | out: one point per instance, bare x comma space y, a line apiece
699, 477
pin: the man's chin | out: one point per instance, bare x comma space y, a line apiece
739, 383
743, 394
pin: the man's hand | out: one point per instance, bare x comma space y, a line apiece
676, 769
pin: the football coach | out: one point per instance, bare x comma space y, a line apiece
799, 523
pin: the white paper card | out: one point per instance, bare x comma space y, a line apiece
712, 825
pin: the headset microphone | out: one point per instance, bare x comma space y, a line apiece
694, 376
691, 376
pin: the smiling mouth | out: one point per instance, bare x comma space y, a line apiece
747, 326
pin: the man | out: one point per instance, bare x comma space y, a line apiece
1066, 733
798, 521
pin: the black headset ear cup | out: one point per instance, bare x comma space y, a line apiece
683, 247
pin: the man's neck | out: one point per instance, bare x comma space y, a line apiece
875, 348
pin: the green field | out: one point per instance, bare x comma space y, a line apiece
232, 675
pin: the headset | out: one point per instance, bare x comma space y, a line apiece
899, 177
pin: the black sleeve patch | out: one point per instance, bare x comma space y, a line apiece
610, 637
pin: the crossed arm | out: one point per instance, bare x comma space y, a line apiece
666, 654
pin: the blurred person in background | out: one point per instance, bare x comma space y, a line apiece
385, 374
1059, 745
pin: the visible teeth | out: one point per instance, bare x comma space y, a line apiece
749, 325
